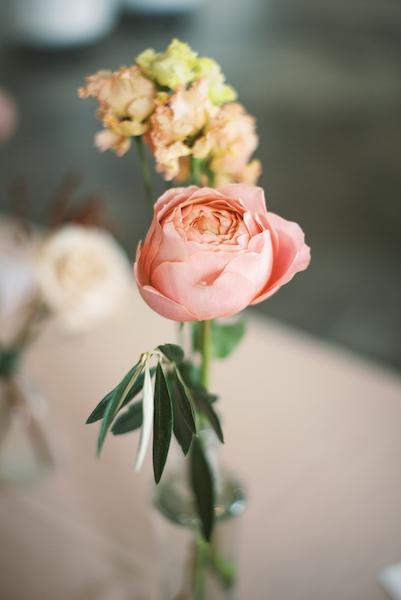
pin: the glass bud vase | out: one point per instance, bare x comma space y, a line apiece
191, 568
25, 455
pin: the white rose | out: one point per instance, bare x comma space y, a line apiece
83, 275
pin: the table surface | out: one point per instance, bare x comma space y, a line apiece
313, 431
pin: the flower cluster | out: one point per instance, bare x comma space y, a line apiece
187, 114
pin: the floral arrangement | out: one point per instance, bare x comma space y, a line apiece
212, 249
181, 107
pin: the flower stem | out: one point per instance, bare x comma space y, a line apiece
196, 171
147, 183
200, 568
206, 352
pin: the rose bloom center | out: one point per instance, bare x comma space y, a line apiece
209, 225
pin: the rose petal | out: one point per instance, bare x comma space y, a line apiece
252, 197
256, 264
293, 255
164, 306
205, 290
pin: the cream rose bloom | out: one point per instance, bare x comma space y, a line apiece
83, 275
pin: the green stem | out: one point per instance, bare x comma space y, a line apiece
196, 171
206, 352
200, 568
147, 183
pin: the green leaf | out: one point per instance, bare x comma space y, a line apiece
190, 373
172, 352
98, 412
225, 337
203, 404
119, 395
201, 393
129, 420
162, 424
181, 430
147, 421
203, 488
9, 358
183, 402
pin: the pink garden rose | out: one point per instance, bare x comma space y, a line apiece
212, 252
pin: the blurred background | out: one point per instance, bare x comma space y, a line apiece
322, 79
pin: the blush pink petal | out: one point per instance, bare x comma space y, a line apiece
172, 198
171, 248
151, 246
255, 265
201, 266
251, 196
208, 297
293, 256
159, 303
165, 306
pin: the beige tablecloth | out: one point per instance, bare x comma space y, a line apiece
314, 432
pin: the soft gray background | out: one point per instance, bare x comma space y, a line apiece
323, 79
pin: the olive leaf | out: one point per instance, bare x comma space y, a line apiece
190, 373
203, 404
183, 401
162, 423
98, 412
172, 352
119, 395
129, 420
182, 432
147, 422
203, 488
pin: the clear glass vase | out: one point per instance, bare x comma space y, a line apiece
25, 455
192, 569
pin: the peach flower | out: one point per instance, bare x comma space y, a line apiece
228, 143
126, 99
176, 120
210, 253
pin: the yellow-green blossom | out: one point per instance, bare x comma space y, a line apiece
219, 92
179, 65
172, 68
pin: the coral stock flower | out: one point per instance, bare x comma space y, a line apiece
178, 118
228, 143
126, 99
211, 253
